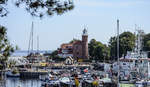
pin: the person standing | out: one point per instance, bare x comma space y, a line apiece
95, 82
77, 83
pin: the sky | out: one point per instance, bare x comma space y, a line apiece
98, 16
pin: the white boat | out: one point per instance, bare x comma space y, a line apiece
64, 79
66, 82
106, 79
140, 83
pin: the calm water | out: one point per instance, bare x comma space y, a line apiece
14, 82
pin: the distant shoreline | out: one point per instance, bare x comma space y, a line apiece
25, 52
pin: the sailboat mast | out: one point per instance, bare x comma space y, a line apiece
37, 44
118, 50
32, 38
29, 43
30, 47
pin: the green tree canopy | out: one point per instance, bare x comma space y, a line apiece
39, 8
98, 51
126, 43
5, 46
146, 41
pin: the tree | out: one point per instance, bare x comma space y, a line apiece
54, 56
17, 47
54, 53
98, 51
113, 47
92, 47
146, 42
39, 8
126, 43
5, 47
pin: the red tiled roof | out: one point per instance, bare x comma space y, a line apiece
77, 42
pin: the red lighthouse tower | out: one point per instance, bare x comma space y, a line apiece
85, 44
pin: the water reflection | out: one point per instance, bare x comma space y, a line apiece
16, 82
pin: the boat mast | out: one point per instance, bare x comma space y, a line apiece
37, 44
30, 47
32, 38
118, 50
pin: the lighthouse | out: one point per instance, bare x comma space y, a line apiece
85, 44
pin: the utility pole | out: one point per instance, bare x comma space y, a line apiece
118, 50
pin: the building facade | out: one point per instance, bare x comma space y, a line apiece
85, 44
66, 50
77, 49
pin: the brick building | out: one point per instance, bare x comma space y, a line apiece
66, 50
77, 49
